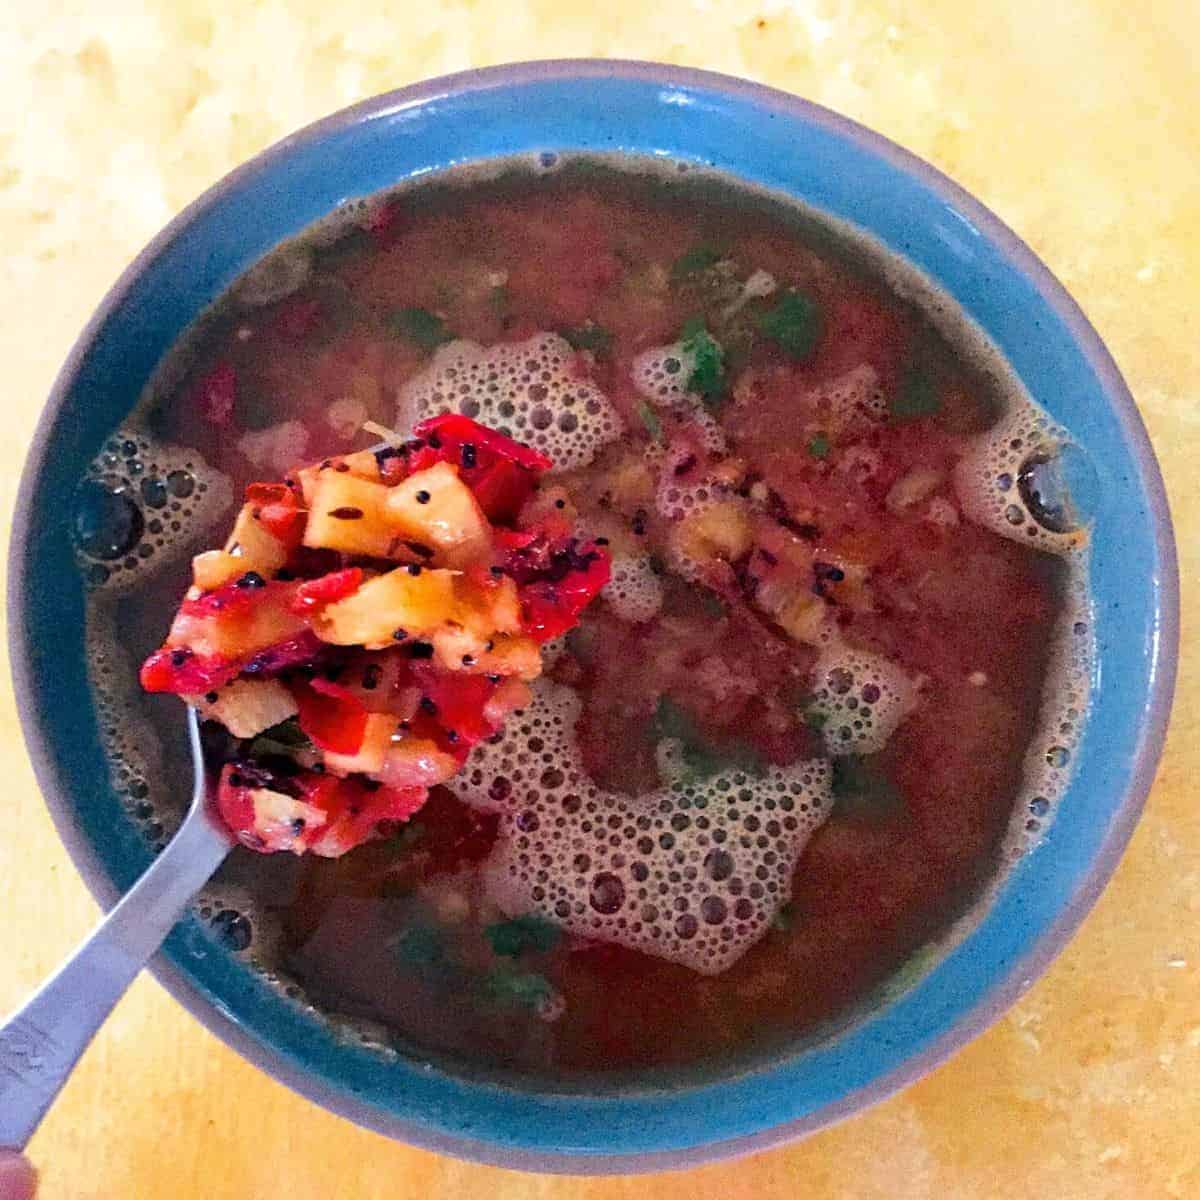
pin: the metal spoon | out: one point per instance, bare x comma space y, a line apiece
41, 1043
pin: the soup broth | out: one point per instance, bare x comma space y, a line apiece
829, 695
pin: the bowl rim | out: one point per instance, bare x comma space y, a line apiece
1020, 974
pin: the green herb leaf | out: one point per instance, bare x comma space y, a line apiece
500, 299
350, 245
785, 918
421, 326
520, 989
288, 732
707, 379
820, 445
670, 721
583, 643
651, 421
917, 397
252, 409
421, 945
529, 933
814, 718
698, 258
590, 336
410, 834
794, 324
861, 789
280, 741
701, 760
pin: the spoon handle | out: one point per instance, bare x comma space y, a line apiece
40, 1044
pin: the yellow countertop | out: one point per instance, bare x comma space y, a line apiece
1076, 120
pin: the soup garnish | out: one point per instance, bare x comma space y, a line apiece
370, 620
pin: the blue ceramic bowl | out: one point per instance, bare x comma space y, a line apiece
772, 140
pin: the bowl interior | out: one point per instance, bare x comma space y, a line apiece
770, 140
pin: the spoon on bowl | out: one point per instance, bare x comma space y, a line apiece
41, 1043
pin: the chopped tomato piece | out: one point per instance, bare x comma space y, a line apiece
278, 510
302, 650
236, 804
180, 670
501, 489
315, 593
355, 810
454, 431
550, 607
514, 539
333, 723
228, 599
456, 702
270, 812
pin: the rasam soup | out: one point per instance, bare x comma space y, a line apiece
829, 693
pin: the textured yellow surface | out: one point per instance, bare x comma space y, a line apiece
1076, 121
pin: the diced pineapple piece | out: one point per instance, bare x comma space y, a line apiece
630, 484
417, 604
457, 649
247, 706
377, 740
484, 609
362, 464
550, 509
416, 762
349, 514
282, 821
307, 478
436, 508
215, 568
802, 615
517, 656
910, 489
720, 530
853, 589
511, 696
238, 632
254, 545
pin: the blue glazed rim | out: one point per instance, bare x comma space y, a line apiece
771, 139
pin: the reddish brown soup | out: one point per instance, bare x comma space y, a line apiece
842, 499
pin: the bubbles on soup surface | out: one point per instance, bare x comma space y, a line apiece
138, 503
860, 699
680, 492
133, 752
692, 873
528, 390
1010, 482
661, 375
634, 592
850, 399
